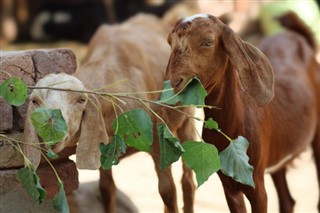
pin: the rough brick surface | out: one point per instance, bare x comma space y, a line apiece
10, 157
14, 198
18, 65
19, 116
6, 117
54, 61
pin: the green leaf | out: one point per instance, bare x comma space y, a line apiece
49, 124
51, 154
193, 94
235, 162
135, 128
111, 152
170, 147
202, 158
211, 124
59, 201
31, 182
14, 91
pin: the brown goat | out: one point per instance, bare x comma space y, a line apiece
135, 51
277, 111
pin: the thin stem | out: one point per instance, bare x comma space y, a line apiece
25, 159
116, 114
5, 72
153, 112
112, 85
194, 126
226, 136
143, 92
24, 143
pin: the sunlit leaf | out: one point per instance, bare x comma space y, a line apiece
111, 152
59, 201
202, 158
193, 94
14, 91
170, 148
235, 162
211, 124
135, 128
49, 124
31, 182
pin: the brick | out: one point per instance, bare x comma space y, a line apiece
18, 64
53, 61
68, 173
6, 116
9, 156
66, 170
15, 199
19, 115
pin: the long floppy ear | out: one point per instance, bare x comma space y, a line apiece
92, 133
32, 146
254, 69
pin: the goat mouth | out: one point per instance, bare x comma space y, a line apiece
58, 147
179, 86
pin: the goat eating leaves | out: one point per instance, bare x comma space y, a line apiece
259, 97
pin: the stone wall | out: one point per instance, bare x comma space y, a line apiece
30, 66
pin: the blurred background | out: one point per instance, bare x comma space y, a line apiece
46, 21
34, 24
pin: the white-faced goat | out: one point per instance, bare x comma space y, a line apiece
135, 51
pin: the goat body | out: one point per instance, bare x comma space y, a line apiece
126, 58
278, 112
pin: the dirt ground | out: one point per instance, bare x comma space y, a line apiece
136, 177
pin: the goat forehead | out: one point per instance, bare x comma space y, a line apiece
196, 29
180, 43
61, 81
191, 18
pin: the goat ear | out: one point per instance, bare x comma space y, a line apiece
32, 146
93, 132
254, 69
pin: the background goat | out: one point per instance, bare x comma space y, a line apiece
135, 50
278, 112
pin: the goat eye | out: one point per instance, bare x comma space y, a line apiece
81, 100
207, 43
35, 102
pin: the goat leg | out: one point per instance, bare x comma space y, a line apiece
233, 194
257, 196
286, 202
107, 190
316, 154
188, 188
166, 184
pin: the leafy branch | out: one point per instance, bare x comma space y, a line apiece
134, 128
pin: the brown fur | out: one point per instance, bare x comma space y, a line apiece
135, 51
290, 20
273, 103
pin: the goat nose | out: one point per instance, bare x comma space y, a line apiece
175, 83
